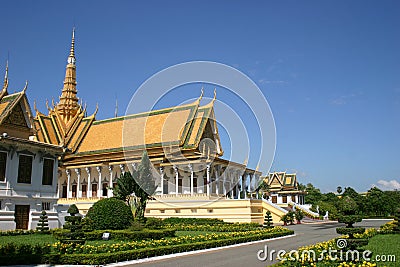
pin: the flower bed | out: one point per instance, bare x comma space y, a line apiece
125, 246
135, 250
235, 227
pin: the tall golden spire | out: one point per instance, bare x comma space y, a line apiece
68, 105
5, 85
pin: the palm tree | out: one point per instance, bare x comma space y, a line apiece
339, 190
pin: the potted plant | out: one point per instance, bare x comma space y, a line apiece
285, 219
299, 216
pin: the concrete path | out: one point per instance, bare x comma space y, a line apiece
246, 254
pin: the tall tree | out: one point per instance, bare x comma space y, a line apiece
137, 188
145, 185
313, 194
339, 190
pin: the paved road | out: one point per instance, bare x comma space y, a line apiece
246, 256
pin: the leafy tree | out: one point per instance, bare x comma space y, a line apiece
376, 202
392, 199
125, 187
350, 192
140, 184
299, 215
145, 185
313, 194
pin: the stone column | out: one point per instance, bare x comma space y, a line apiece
239, 179
216, 180
89, 189
99, 185
68, 172
110, 182
244, 185
78, 191
208, 179
122, 167
59, 184
224, 175
250, 187
176, 180
162, 180
191, 179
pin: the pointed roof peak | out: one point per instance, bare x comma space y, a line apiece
71, 57
5, 85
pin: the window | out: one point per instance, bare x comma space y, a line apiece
293, 199
3, 164
45, 205
194, 185
274, 199
48, 169
74, 190
64, 191
94, 190
84, 190
104, 189
25, 169
284, 199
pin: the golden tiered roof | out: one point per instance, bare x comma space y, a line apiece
66, 123
180, 127
281, 181
15, 114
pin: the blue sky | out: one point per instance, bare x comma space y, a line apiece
330, 70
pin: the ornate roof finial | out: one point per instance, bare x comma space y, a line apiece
71, 57
215, 94
5, 85
202, 93
25, 87
68, 106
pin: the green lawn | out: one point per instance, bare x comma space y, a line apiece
384, 245
28, 239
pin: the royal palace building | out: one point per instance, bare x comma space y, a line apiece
89, 155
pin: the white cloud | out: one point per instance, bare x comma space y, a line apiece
388, 185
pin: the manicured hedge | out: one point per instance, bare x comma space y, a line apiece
122, 234
194, 221
130, 235
17, 232
234, 227
103, 258
11, 254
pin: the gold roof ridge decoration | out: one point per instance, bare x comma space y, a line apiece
66, 124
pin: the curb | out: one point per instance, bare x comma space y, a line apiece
181, 254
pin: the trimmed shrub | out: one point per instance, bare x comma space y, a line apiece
111, 214
131, 235
43, 225
191, 221
268, 219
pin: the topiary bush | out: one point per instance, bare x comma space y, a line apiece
110, 213
43, 224
268, 220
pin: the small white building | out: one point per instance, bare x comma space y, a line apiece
28, 168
